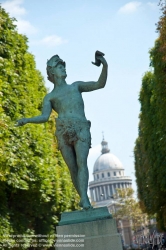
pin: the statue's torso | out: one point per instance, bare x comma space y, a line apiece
67, 102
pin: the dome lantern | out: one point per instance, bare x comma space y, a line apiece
107, 161
105, 148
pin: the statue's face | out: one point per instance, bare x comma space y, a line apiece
60, 71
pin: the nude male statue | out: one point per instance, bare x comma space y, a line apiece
72, 127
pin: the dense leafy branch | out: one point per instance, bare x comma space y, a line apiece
35, 185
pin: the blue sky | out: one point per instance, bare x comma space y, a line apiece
75, 29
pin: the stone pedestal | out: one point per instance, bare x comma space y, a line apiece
96, 230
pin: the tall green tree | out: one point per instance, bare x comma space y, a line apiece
150, 149
35, 186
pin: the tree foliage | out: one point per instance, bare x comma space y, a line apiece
150, 149
129, 208
35, 186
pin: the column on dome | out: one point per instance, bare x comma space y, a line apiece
100, 193
102, 190
105, 194
113, 189
91, 194
97, 189
95, 193
108, 190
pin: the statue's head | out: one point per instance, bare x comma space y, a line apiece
52, 63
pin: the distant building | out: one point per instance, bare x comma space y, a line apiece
108, 175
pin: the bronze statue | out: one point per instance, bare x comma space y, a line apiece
72, 127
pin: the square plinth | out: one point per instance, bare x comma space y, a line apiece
96, 234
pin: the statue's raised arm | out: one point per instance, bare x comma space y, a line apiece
92, 85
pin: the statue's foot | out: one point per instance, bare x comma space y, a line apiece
85, 204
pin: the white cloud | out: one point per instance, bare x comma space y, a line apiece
130, 7
53, 40
25, 27
13, 7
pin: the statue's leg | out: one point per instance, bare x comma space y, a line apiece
69, 157
82, 151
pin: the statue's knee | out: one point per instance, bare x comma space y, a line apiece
82, 164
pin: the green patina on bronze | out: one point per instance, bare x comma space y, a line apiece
72, 127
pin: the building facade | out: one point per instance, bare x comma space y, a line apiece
108, 175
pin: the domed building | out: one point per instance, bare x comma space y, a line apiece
108, 175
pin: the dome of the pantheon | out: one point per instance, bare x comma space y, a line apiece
107, 161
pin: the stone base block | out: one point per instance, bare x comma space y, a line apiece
100, 234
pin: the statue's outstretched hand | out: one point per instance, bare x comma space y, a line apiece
21, 122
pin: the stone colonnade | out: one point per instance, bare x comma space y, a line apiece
104, 192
